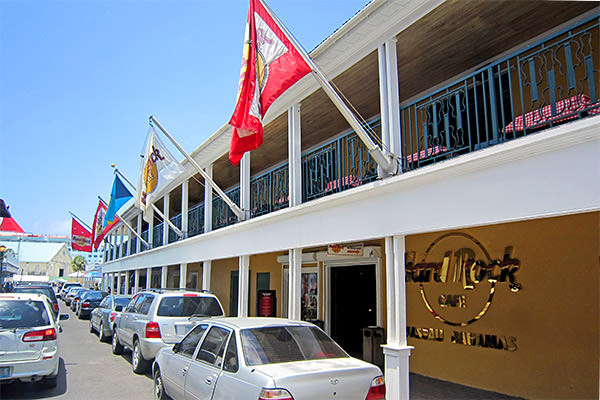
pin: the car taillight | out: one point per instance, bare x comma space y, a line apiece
112, 316
85, 304
377, 389
152, 330
55, 307
40, 336
279, 394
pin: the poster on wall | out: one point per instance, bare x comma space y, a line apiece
309, 300
266, 303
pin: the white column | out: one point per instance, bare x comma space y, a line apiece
294, 155
138, 228
393, 97
208, 204
383, 100
148, 278
163, 276
294, 301
182, 275
136, 281
126, 282
151, 228
245, 184
185, 207
396, 351
119, 282
206, 273
243, 289
166, 207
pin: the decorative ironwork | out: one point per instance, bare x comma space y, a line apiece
196, 220
173, 236
157, 236
222, 214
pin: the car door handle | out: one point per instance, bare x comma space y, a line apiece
184, 371
208, 380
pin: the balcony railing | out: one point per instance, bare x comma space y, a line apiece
196, 220
543, 85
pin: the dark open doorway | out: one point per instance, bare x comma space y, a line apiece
353, 305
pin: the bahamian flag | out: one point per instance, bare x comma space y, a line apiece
118, 197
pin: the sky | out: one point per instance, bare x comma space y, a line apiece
79, 80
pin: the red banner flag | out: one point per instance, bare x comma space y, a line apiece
97, 229
270, 65
81, 238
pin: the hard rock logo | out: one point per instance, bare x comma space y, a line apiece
457, 277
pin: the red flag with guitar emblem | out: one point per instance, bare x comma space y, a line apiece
81, 238
270, 65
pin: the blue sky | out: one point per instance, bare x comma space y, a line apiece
79, 79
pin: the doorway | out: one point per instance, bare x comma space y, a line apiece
353, 304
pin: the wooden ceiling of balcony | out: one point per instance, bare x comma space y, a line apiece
455, 37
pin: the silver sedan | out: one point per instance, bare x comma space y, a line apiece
102, 317
262, 358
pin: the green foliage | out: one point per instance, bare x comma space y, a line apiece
78, 264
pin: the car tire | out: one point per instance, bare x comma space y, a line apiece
117, 348
79, 316
92, 330
138, 363
159, 388
49, 383
101, 336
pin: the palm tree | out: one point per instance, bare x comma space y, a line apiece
78, 264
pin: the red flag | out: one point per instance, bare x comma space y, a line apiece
97, 229
81, 238
270, 65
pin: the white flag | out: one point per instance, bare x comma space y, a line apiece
157, 170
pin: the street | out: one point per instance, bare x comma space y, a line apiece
88, 370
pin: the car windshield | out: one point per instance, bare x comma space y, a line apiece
39, 289
22, 314
122, 301
94, 295
280, 344
201, 306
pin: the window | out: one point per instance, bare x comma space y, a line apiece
22, 314
105, 303
201, 306
231, 359
287, 343
213, 346
144, 307
189, 343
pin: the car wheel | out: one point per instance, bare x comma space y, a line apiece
117, 348
137, 359
159, 389
79, 316
92, 330
101, 336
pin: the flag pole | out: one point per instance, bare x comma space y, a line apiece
387, 163
176, 229
80, 221
127, 225
234, 207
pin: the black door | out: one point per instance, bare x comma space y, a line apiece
353, 305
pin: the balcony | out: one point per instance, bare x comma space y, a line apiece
546, 83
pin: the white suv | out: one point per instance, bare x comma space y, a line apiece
160, 318
28, 334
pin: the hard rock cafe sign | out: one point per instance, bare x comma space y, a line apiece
457, 280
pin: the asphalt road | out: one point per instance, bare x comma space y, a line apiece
88, 370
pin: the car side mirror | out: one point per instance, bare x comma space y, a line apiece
119, 308
63, 317
176, 347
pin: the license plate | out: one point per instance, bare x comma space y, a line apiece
5, 372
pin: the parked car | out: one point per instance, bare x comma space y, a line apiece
76, 296
28, 334
65, 288
88, 301
46, 290
69, 294
103, 317
262, 358
160, 318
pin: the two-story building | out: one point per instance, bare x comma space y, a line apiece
478, 259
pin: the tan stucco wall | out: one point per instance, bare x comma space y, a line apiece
553, 318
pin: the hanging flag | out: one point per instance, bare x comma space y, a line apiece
119, 195
81, 238
7, 223
98, 228
270, 65
157, 170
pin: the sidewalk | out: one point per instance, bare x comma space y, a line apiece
424, 388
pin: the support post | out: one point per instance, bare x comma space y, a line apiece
185, 207
294, 154
243, 289
208, 202
136, 281
182, 275
206, 274
294, 301
163, 276
149, 278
